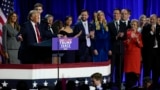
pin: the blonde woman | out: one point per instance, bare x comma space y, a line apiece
102, 39
142, 22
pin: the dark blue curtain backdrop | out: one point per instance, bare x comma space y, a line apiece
62, 8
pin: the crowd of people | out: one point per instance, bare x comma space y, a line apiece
127, 43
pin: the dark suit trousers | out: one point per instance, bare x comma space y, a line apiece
117, 69
154, 63
147, 61
85, 55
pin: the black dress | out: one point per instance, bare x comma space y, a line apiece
69, 56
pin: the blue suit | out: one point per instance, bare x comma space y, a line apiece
26, 53
101, 44
85, 53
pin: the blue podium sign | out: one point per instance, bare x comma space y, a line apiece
64, 44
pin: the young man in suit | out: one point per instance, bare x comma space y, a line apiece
117, 31
86, 34
39, 8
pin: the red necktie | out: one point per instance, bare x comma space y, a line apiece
38, 33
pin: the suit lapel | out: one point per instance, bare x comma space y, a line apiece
114, 27
83, 29
32, 30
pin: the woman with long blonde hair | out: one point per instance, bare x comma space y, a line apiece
102, 39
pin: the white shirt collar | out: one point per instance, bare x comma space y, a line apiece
99, 87
154, 25
33, 23
118, 21
84, 21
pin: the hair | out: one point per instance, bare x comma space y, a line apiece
84, 10
66, 18
16, 25
22, 85
97, 76
71, 85
153, 15
31, 13
142, 16
135, 20
129, 11
94, 19
57, 25
38, 5
104, 22
117, 9
48, 15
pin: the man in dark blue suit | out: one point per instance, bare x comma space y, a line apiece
29, 35
86, 33
117, 32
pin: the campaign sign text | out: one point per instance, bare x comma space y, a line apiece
64, 43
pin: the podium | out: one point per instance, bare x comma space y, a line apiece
62, 44
55, 47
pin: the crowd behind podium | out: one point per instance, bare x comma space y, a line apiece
127, 43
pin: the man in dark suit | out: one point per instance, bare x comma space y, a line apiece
29, 35
49, 32
117, 31
125, 15
151, 50
86, 33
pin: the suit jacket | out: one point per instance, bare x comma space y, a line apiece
46, 32
149, 39
82, 38
9, 38
117, 44
29, 39
129, 24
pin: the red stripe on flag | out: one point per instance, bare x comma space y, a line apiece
1, 20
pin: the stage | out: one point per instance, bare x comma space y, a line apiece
47, 74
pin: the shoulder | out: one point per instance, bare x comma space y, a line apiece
6, 25
62, 32
158, 26
148, 25
27, 24
110, 24
78, 23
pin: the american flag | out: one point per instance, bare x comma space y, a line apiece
5, 8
